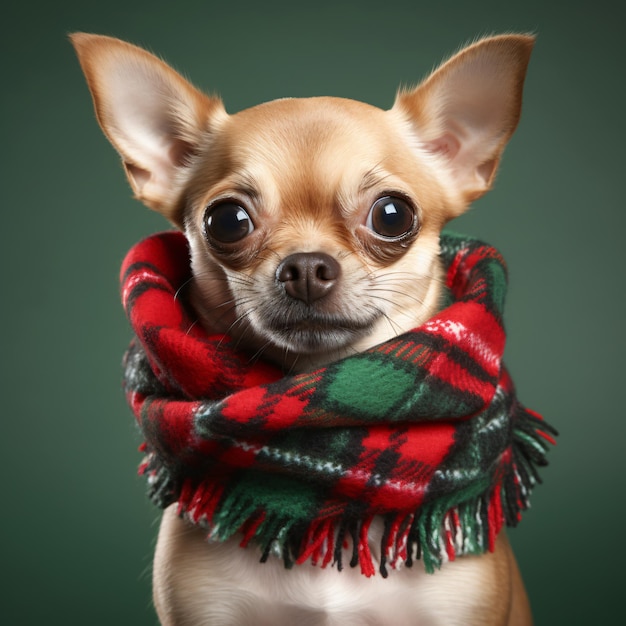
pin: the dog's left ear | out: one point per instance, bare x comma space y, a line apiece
467, 109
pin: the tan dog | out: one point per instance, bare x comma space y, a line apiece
314, 229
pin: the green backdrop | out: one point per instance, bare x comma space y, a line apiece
77, 531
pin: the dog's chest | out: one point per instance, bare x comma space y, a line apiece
221, 583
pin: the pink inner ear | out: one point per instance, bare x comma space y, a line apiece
447, 146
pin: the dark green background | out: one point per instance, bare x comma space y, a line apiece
77, 532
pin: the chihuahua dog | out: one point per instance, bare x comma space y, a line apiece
313, 227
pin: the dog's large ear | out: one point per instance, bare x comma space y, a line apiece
154, 118
468, 108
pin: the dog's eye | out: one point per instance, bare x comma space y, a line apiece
391, 217
227, 222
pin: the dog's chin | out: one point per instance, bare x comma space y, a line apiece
315, 341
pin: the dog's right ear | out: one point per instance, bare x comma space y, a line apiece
153, 117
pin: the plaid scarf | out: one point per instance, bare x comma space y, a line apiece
424, 430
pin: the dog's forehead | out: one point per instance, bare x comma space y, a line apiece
310, 128
312, 140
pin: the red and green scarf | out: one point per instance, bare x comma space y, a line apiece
424, 430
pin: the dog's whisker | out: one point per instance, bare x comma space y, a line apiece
408, 277
183, 287
192, 326
391, 292
396, 329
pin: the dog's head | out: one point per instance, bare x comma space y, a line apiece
313, 223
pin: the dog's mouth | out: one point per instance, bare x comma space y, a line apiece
308, 331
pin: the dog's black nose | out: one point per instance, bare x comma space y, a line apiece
308, 276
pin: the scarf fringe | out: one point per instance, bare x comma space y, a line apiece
467, 522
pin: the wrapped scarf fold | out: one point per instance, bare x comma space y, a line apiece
424, 430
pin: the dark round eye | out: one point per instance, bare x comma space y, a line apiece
391, 217
227, 222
